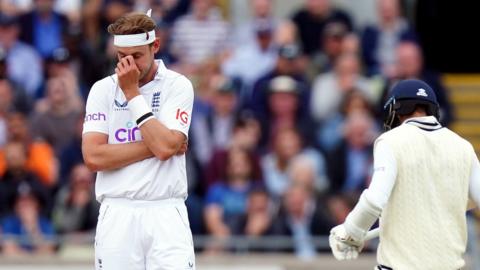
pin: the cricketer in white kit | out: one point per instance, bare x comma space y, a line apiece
424, 176
134, 136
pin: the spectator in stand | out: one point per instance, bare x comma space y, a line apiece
379, 41
71, 9
287, 144
332, 44
71, 153
261, 51
76, 209
351, 44
286, 33
258, 218
61, 64
97, 48
41, 160
101, 56
289, 63
166, 11
246, 135
213, 131
3, 63
199, 35
113, 9
163, 35
330, 133
17, 174
284, 109
6, 102
226, 201
44, 28
22, 61
27, 231
330, 88
350, 163
246, 32
309, 169
302, 217
91, 15
15, 7
288, 150
13, 98
55, 123
205, 82
311, 21
410, 65
57, 64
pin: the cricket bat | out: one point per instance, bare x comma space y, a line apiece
372, 234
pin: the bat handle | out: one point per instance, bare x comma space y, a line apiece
372, 234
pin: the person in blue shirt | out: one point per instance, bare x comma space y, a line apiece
226, 201
26, 231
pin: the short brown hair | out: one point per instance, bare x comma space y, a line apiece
132, 23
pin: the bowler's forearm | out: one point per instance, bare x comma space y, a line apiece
162, 142
106, 157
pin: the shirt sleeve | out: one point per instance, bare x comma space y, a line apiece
384, 175
475, 181
96, 111
177, 109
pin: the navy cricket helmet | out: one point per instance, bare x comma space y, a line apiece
405, 97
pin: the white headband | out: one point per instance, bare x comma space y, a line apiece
135, 39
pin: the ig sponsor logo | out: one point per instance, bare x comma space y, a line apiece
98, 116
182, 116
129, 134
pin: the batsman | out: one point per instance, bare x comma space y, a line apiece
424, 177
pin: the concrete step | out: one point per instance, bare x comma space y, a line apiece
467, 128
464, 92
467, 112
465, 97
461, 79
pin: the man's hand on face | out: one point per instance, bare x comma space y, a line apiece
128, 76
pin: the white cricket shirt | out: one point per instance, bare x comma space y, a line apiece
170, 96
424, 174
385, 173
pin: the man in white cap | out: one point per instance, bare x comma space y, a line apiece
134, 136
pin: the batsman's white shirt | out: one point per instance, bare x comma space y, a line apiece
170, 96
424, 174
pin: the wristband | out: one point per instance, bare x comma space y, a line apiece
144, 118
140, 110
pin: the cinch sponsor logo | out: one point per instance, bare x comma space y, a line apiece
95, 117
129, 134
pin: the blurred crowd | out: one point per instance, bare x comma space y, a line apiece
285, 115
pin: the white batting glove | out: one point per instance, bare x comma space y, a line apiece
343, 246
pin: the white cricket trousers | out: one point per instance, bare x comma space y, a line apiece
143, 235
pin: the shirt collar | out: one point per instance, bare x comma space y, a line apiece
161, 69
428, 123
